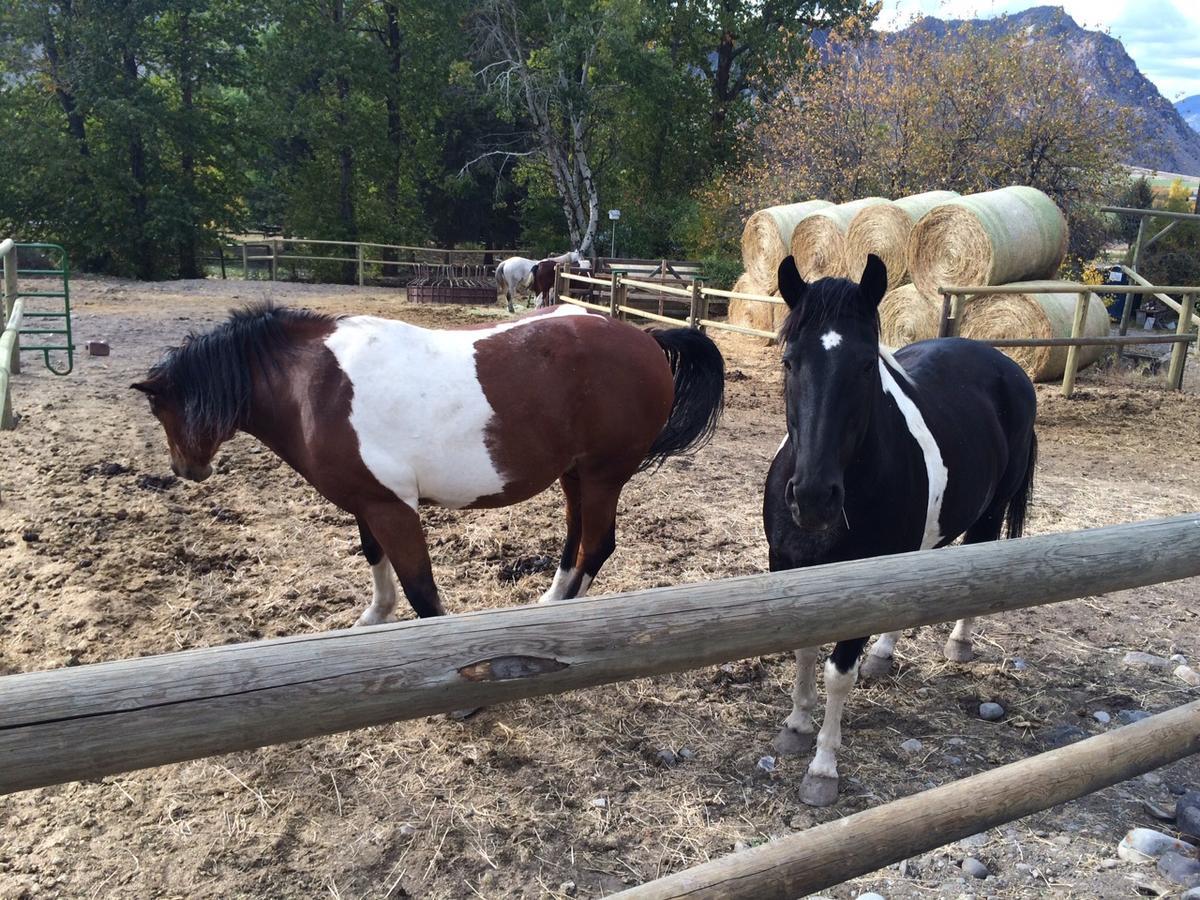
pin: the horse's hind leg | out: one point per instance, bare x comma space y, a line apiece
598, 521
987, 528
569, 561
878, 662
820, 785
383, 600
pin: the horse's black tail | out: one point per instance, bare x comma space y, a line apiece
1018, 506
699, 372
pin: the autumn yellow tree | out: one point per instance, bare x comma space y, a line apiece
967, 110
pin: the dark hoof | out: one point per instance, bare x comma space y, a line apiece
461, 715
818, 790
959, 651
875, 667
790, 742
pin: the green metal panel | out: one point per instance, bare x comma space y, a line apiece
64, 272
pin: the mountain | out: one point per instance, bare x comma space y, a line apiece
1163, 140
1189, 108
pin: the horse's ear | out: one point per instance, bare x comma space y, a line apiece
145, 387
791, 285
873, 283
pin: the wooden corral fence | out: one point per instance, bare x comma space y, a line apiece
954, 296
10, 339
96, 720
694, 302
358, 257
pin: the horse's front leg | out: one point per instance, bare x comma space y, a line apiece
397, 528
796, 735
879, 661
820, 785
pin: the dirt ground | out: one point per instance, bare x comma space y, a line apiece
103, 555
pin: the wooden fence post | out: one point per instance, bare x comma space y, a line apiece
221, 255
10, 300
358, 252
274, 260
245, 263
1081, 305
560, 283
694, 312
1179, 351
944, 324
614, 285
957, 302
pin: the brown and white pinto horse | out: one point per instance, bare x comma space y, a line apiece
381, 416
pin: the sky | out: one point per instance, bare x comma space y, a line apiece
1162, 36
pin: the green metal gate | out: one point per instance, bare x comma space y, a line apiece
53, 326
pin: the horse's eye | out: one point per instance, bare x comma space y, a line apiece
787, 365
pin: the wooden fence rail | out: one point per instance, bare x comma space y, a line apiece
829, 854
954, 296
95, 720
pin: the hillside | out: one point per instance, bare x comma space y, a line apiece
1163, 140
1189, 108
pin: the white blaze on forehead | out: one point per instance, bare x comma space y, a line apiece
418, 408
830, 339
935, 468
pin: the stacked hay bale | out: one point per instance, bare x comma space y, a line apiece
1011, 234
755, 313
999, 316
767, 237
819, 239
1014, 235
884, 229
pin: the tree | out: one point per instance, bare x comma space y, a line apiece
912, 112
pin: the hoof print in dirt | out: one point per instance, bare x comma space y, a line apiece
104, 470
157, 483
1060, 736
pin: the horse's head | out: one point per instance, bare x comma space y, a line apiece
830, 343
191, 449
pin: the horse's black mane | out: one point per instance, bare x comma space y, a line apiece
210, 376
824, 302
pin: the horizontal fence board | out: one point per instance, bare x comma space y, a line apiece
828, 854
88, 721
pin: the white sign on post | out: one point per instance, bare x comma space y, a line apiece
614, 214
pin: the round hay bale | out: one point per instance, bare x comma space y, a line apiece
755, 313
998, 237
998, 316
767, 237
819, 239
907, 316
883, 229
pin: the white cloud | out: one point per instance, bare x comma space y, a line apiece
1162, 36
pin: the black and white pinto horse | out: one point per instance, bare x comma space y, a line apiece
884, 454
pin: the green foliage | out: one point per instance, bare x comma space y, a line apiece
1138, 194
1175, 257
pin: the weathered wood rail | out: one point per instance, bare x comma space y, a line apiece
95, 720
829, 854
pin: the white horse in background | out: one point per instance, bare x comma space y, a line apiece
515, 274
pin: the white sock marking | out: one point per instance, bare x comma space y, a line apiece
962, 630
829, 739
935, 468
558, 587
804, 693
830, 339
418, 408
383, 600
884, 646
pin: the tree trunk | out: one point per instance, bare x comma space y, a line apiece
345, 154
395, 133
189, 266
62, 88
143, 253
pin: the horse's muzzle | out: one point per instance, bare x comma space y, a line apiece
815, 505
191, 473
